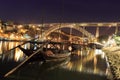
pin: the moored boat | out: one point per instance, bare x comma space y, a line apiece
46, 54
95, 45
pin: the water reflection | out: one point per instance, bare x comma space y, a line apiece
90, 63
85, 64
6, 51
56, 70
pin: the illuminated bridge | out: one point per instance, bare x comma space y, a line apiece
51, 27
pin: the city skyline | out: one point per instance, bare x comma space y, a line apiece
23, 11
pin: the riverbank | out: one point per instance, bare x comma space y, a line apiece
113, 58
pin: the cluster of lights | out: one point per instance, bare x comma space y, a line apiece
12, 36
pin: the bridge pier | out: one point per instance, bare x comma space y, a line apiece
97, 32
116, 29
70, 34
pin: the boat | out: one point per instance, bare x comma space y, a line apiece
46, 54
95, 45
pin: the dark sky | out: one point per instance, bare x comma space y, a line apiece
34, 11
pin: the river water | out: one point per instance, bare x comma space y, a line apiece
85, 64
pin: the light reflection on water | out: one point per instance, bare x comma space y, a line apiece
90, 63
86, 62
16, 54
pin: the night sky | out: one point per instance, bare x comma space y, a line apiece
36, 11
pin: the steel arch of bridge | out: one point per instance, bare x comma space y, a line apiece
72, 25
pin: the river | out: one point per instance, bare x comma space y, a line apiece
85, 64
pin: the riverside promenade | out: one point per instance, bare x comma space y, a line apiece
113, 59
